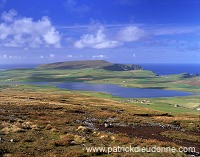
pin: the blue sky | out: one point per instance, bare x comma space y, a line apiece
123, 31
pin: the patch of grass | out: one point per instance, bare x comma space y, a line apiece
181, 136
190, 124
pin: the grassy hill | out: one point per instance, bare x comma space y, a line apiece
102, 64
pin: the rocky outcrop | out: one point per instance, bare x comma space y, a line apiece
122, 67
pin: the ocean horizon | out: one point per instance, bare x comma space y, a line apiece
17, 66
167, 69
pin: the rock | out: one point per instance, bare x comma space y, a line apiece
182, 130
176, 105
26, 126
119, 111
13, 140
107, 125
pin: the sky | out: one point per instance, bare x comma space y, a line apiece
119, 31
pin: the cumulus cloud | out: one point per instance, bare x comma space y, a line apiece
8, 16
97, 41
131, 33
25, 32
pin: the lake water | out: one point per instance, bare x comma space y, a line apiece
116, 90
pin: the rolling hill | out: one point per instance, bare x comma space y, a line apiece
101, 64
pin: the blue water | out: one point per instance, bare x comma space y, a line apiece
116, 90
166, 69
16, 66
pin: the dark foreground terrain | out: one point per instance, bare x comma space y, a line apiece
62, 123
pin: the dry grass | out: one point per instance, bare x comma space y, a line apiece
182, 136
62, 124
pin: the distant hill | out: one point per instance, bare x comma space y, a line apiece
101, 64
76, 64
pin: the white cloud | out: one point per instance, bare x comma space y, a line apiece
24, 32
99, 56
6, 57
69, 56
8, 16
131, 33
176, 30
97, 41
52, 37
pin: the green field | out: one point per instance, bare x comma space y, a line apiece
135, 78
42, 120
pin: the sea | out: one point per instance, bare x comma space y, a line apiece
167, 69
16, 66
160, 69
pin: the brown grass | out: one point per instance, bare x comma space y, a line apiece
62, 124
